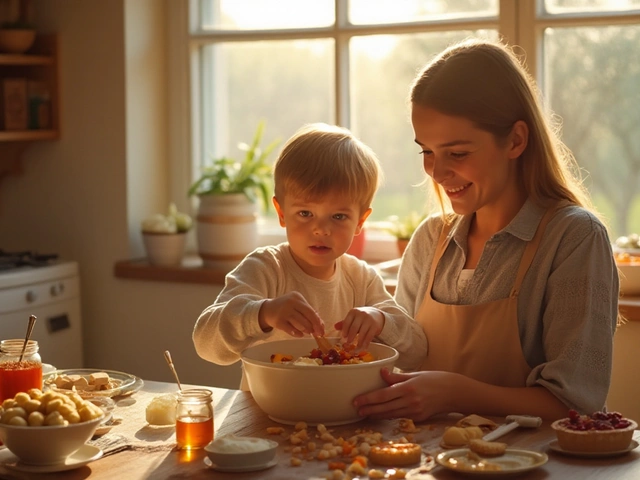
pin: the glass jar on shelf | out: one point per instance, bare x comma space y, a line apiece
19, 375
194, 418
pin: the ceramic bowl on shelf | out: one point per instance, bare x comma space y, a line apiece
16, 40
291, 393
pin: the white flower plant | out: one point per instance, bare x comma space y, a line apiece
173, 222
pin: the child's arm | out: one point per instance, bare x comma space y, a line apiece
228, 326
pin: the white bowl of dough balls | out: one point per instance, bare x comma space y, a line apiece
45, 428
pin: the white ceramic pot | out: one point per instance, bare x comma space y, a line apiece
164, 249
227, 229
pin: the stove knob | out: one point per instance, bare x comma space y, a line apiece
31, 296
55, 290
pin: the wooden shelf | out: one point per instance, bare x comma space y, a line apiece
40, 64
28, 135
25, 59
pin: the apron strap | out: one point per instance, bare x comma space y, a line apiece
443, 241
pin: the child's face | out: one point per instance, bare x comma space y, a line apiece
320, 231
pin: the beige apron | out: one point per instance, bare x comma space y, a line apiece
479, 341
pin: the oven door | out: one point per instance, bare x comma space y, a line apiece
56, 304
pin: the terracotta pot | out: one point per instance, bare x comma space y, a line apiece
402, 245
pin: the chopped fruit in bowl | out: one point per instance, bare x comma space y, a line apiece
599, 432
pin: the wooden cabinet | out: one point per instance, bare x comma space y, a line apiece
39, 68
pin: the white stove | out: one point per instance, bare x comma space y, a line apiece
51, 291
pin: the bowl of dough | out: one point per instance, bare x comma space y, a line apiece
292, 381
45, 428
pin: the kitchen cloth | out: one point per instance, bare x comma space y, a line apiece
131, 430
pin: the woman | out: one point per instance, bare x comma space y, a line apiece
516, 289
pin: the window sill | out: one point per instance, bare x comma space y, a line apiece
190, 271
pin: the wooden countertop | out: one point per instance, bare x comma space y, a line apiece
237, 413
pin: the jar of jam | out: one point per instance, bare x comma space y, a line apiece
19, 376
194, 418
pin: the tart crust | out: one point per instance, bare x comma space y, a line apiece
601, 441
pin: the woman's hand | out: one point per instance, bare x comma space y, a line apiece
290, 313
417, 396
363, 323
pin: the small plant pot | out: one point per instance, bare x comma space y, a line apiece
402, 245
16, 40
164, 249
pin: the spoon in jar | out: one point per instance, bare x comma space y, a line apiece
167, 355
32, 322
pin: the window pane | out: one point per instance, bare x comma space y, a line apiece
265, 14
286, 83
593, 83
402, 11
383, 67
574, 6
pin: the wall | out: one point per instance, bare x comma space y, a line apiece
84, 196
624, 394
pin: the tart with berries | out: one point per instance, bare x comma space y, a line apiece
600, 432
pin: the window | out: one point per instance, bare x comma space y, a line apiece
351, 62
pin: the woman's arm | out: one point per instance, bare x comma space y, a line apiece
421, 395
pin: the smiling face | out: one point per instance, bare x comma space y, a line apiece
320, 230
475, 171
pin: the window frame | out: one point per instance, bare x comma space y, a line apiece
519, 22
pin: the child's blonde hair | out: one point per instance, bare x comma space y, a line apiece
320, 159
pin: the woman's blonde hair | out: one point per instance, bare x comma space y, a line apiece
320, 159
484, 82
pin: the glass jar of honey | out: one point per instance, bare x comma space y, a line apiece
15, 375
194, 418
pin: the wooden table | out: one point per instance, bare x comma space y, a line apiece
237, 412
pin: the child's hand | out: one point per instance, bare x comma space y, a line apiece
292, 314
363, 322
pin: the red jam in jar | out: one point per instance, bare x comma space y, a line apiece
19, 376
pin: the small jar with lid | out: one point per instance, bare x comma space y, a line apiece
194, 418
19, 375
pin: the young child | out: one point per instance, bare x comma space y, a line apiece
325, 180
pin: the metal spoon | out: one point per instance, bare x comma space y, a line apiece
167, 355
32, 322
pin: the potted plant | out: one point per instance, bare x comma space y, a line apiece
403, 227
229, 191
164, 236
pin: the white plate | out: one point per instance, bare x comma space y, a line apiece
513, 461
555, 446
84, 455
127, 383
249, 468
